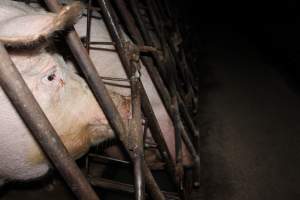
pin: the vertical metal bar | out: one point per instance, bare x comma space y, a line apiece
148, 112
122, 50
196, 141
163, 91
16, 89
135, 133
89, 25
168, 75
169, 103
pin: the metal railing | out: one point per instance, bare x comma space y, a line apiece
168, 71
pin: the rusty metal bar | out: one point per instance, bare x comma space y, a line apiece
170, 20
154, 126
108, 160
186, 116
130, 22
23, 100
115, 32
173, 30
136, 141
123, 187
88, 24
196, 141
159, 84
169, 102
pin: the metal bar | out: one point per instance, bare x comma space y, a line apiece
136, 133
88, 24
102, 49
148, 112
163, 91
196, 140
171, 23
115, 32
103, 43
123, 187
166, 69
129, 21
108, 160
186, 116
23, 100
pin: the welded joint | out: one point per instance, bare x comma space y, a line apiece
134, 50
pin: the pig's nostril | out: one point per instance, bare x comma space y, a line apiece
51, 77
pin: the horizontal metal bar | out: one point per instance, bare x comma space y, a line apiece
109, 160
123, 187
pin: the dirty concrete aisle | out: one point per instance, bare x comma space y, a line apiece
250, 125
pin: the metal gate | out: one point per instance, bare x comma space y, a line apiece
162, 55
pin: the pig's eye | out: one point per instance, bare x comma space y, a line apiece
51, 77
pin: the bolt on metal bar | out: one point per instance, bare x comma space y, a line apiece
16, 89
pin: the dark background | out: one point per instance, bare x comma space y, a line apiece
246, 57
271, 26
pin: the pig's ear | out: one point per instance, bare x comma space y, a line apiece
28, 30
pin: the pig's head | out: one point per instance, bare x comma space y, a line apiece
63, 95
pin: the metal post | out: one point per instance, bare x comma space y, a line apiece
148, 112
16, 89
136, 134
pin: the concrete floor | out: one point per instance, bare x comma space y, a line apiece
250, 125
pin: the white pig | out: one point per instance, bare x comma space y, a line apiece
62, 94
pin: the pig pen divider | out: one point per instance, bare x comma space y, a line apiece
109, 109
126, 52
113, 23
169, 72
